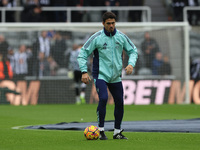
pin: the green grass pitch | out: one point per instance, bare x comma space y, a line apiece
21, 139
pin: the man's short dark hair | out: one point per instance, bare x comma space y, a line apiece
108, 15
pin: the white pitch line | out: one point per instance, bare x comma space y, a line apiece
19, 127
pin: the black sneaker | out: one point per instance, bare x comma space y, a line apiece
119, 136
102, 136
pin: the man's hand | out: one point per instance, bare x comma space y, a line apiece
85, 78
129, 69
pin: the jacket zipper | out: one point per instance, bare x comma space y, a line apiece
112, 51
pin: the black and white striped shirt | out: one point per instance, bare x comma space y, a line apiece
20, 62
44, 46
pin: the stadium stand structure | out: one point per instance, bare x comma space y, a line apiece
194, 42
157, 6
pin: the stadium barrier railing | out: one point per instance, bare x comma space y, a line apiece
146, 11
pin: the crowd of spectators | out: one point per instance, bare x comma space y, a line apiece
33, 13
49, 53
154, 61
175, 10
149, 48
40, 59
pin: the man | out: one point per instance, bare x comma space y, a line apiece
108, 45
58, 49
6, 72
3, 46
41, 45
73, 65
149, 48
21, 58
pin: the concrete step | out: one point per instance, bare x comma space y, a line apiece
159, 12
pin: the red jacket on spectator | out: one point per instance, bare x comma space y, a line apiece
5, 73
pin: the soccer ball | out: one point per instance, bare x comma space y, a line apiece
91, 132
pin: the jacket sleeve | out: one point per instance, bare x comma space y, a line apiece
85, 52
131, 51
10, 72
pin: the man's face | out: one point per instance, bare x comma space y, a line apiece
109, 25
22, 48
44, 34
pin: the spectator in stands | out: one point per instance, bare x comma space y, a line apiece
3, 46
112, 3
42, 44
135, 16
29, 2
42, 3
45, 3
58, 49
157, 63
123, 14
59, 16
32, 13
11, 58
77, 16
5, 68
73, 65
165, 68
149, 48
21, 57
10, 15
42, 66
178, 6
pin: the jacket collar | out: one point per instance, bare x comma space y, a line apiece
108, 33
